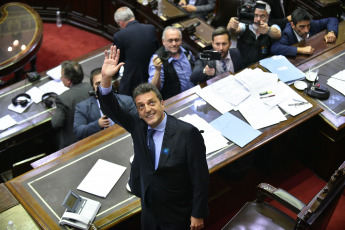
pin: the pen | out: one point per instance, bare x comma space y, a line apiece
267, 96
266, 92
296, 104
298, 100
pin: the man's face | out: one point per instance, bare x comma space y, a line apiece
66, 82
96, 81
260, 16
150, 109
301, 28
172, 41
221, 44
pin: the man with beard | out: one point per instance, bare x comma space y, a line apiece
231, 60
171, 66
255, 40
301, 28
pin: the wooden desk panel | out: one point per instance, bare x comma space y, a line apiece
34, 188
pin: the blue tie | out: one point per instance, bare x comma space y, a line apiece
224, 65
152, 146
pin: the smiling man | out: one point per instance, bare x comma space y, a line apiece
169, 171
171, 66
231, 60
301, 28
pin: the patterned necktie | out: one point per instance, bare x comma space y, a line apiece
224, 65
151, 146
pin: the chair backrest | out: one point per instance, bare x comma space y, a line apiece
319, 210
224, 11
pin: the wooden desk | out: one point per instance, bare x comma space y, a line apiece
41, 190
21, 36
35, 120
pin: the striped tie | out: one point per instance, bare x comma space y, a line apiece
224, 66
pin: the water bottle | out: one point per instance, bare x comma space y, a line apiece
159, 8
58, 19
10, 225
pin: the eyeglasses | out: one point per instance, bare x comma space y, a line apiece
174, 40
261, 16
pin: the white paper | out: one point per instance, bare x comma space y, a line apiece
215, 100
35, 94
55, 73
213, 139
53, 86
101, 178
6, 122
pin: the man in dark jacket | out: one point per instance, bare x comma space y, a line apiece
231, 60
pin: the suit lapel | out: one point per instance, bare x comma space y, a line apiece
168, 142
95, 111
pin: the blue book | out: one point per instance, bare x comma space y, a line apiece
281, 66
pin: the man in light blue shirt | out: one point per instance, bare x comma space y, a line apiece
171, 65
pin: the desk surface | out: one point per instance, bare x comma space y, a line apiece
21, 36
330, 59
40, 191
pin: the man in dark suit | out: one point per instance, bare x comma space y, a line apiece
169, 171
231, 60
137, 43
199, 7
62, 120
88, 118
301, 28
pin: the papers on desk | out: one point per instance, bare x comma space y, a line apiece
53, 86
55, 73
212, 137
235, 129
280, 65
101, 178
6, 122
337, 82
18, 108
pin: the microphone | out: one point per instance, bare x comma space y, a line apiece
192, 28
92, 93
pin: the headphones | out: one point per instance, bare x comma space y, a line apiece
46, 101
22, 102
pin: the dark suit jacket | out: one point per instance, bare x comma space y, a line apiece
198, 76
284, 45
137, 43
179, 186
204, 7
63, 117
87, 114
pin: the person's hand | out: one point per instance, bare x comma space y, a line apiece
289, 18
182, 3
305, 50
110, 65
196, 223
209, 71
233, 23
189, 8
157, 62
104, 122
263, 28
330, 37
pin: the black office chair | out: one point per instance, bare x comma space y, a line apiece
315, 215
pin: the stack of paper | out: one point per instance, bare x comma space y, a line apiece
213, 139
337, 82
280, 65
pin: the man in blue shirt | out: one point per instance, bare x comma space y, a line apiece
171, 66
301, 28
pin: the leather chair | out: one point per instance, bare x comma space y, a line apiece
314, 215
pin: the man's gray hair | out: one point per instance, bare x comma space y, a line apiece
171, 28
123, 14
268, 8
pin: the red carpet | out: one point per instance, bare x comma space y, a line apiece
65, 43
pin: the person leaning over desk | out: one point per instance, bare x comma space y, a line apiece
231, 59
301, 28
62, 120
169, 172
88, 117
